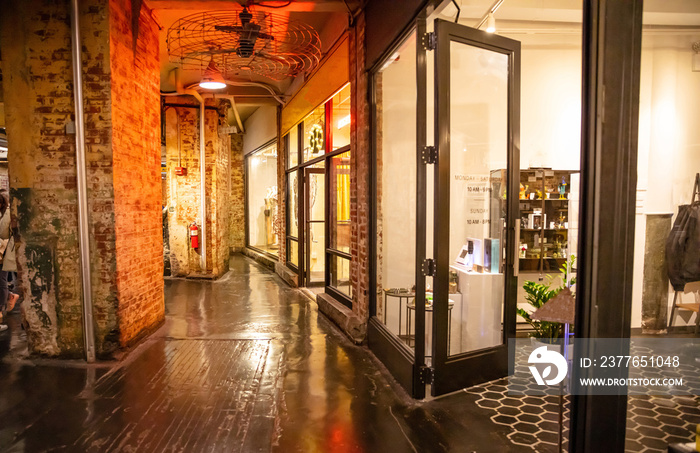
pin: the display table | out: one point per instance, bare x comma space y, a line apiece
482, 309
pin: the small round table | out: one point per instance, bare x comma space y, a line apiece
400, 294
410, 306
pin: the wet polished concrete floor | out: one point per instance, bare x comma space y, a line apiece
243, 364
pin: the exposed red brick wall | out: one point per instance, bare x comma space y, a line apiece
135, 77
359, 172
237, 213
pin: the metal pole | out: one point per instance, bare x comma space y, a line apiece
202, 189
83, 226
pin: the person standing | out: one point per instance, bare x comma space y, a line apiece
9, 264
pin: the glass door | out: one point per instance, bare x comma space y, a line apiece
477, 117
315, 234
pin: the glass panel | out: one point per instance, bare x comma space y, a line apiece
263, 222
479, 149
340, 274
395, 88
316, 225
293, 254
293, 147
666, 282
340, 202
292, 209
341, 118
314, 139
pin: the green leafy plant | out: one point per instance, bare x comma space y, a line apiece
538, 294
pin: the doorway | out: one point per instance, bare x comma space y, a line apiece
443, 315
315, 225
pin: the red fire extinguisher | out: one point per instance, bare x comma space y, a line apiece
194, 236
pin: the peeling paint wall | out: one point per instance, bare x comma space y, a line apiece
38, 93
183, 192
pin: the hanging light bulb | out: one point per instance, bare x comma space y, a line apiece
212, 78
491, 24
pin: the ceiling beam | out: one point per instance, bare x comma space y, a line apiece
320, 6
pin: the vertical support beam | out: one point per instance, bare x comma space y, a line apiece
612, 31
83, 226
421, 202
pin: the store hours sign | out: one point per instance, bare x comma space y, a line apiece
473, 195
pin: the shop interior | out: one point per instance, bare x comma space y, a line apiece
550, 134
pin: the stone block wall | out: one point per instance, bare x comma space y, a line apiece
135, 76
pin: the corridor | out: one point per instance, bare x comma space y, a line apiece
242, 364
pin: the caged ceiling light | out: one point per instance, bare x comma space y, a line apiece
243, 42
212, 78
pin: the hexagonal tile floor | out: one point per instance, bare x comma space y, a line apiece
653, 422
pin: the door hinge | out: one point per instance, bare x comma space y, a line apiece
428, 267
427, 375
429, 155
429, 41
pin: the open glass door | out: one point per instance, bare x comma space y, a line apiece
477, 118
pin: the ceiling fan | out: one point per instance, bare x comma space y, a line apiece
244, 41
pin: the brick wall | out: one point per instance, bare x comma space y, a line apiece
237, 201
359, 172
38, 91
135, 76
182, 123
37, 83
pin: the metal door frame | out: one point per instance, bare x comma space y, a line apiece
452, 373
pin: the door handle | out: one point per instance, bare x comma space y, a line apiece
516, 257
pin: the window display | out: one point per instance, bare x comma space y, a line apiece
341, 118
314, 139
262, 200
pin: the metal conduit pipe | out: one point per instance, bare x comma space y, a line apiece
232, 101
180, 91
83, 225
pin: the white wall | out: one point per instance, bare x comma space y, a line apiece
669, 144
260, 128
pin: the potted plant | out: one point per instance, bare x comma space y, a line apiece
538, 294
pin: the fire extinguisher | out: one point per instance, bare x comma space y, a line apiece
194, 235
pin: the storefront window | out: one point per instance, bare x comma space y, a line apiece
341, 118
314, 140
293, 211
262, 199
340, 275
340, 202
395, 91
666, 284
293, 148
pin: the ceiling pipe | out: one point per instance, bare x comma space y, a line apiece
236, 83
232, 101
81, 176
497, 4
